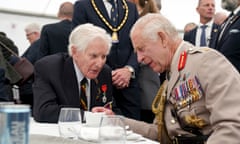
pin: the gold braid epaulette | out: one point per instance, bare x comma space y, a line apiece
158, 106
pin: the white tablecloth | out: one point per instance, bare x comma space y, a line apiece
42, 133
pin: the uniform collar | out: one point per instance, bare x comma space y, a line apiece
176, 56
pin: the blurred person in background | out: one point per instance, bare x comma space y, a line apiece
54, 37
3, 95
228, 40
146, 6
219, 18
206, 27
7, 60
189, 26
32, 31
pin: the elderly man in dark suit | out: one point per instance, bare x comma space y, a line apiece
228, 41
206, 10
58, 77
117, 18
54, 37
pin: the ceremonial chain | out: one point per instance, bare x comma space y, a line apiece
114, 35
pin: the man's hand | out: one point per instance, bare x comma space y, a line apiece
102, 109
121, 77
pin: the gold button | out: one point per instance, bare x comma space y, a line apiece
173, 121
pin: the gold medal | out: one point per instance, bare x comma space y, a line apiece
114, 37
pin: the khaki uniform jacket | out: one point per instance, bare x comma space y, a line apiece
217, 105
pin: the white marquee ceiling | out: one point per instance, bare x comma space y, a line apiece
33, 7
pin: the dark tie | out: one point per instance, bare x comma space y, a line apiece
203, 36
83, 96
114, 14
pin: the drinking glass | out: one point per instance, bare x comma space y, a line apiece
69, 122
112, 130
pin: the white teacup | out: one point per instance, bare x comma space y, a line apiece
93, 119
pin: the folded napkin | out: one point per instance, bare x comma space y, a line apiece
89, 133
92, 134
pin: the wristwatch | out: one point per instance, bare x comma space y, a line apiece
131, 70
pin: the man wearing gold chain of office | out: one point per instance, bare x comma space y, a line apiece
117, 18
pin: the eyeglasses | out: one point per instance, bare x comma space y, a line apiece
29, 34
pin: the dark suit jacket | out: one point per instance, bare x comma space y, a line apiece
121, 53
229, 44
56, 86
191, 35
32, 53
54, 38
3, 95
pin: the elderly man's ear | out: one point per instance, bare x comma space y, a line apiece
163, 38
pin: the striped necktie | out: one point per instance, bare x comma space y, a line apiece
83, 96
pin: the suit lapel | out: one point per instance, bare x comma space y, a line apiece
121, 11
226, 31
193, 36
70, 83
214, 34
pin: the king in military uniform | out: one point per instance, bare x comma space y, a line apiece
199, 101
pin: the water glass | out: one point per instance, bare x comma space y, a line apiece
69, 122
112, 130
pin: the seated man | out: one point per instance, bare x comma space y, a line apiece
199, 101
58, 77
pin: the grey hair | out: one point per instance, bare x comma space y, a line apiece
83, 34
32, 27
151, 24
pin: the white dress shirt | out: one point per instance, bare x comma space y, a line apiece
208, 33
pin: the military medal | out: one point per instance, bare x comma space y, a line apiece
104, 89
187, 93
104, 99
